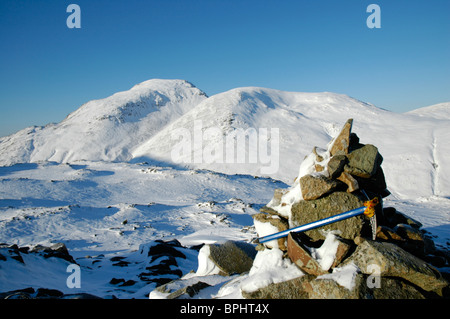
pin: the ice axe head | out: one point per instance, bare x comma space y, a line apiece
370, 213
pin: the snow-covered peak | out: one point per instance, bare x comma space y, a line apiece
437, 111
106, 129
137, 102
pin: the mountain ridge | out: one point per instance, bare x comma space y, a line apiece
140, 124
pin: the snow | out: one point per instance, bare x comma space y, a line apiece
344, 276
264, 229
205, 265
269, 267
326, 253
103, 182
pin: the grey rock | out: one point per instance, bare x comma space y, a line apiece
393, 261
364, 162
304, 212
232, 257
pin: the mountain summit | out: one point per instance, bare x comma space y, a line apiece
106, 129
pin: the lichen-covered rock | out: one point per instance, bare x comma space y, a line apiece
393, 261
297, 288
315, 186
304, 212
342, 142
364, 161
232, 257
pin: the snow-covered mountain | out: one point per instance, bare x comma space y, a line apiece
106, 129
439, 111
157, 117
85, 183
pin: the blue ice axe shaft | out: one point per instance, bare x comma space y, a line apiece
313, 225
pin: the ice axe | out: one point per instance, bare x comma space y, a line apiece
368, 210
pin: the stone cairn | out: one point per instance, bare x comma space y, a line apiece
396, 260
341, 179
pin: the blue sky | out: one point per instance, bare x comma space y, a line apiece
49, 70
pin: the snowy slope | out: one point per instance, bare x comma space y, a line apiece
115, 207
106, 129
157, 119
439, 111
103, 210
413, 147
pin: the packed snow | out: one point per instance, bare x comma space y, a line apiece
104, 182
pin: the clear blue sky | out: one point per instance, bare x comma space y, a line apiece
49, 70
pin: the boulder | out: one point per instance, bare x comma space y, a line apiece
395, 288
232, 257
364, 162
324, 288
179, 289
297, 288
311, 287
304, 212
314, 186
393, 261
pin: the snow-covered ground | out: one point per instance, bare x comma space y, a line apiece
102, 181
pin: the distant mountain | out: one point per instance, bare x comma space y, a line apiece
250, 130
438, 111
106, 129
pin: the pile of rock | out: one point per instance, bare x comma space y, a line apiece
346, 259
333, 181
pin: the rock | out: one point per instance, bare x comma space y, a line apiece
232, 257
163, 248
311, 287
184, 292
322, 288
277, 194
58, 250
393, 261
300, 256
395, 288
408, 232
297, 288
342, 142
394, 217
387, 234
364, 162
319, 158
304, 212
375, 184
335, 165
315, 186
342, 251
350, 181
276, 224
